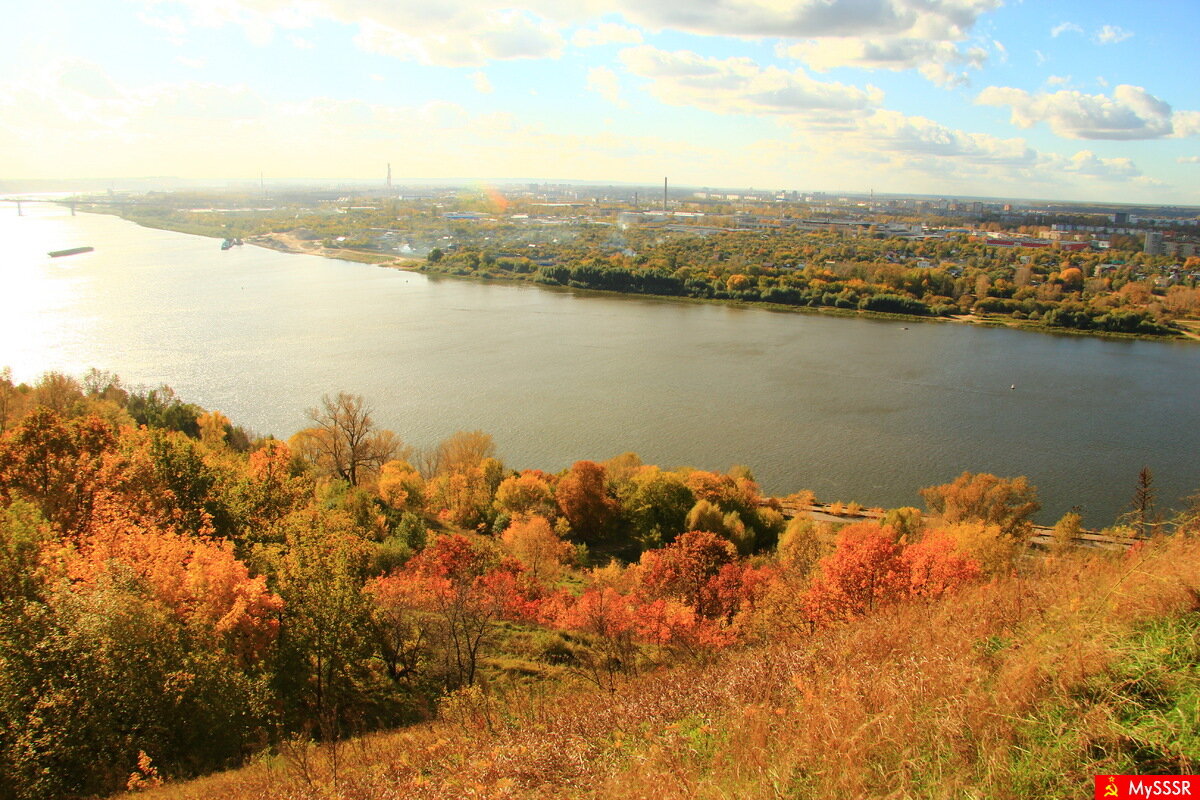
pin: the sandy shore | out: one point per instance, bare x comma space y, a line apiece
290, 243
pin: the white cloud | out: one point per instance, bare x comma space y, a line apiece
1058, 80
604, 82
807, 19
1130, 113
175, 28
501, 35
1188, 160
190, 63
1085, 162
469, 32
300, 43
482, 83
74, 120
1064, 27
606, 33
930, 57
919, 136
1186, 123
1112, 34
740, 86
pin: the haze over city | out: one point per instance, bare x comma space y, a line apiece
1070, 100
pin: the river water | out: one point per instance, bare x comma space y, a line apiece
854, 409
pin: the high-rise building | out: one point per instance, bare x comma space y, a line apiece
1154, 244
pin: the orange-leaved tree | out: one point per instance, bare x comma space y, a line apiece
198, 578
582, 496
865, 570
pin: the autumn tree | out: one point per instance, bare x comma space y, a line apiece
526, 494
582, 496
535, 544
344, 442
609, 618
54, 463
10, 400
324, 643
936, 567
23, 534
656, 505
465, 497
865, 570
1141, 513
992, 547
982, 497
213, 426
102, 671
800, 546
462, 451
683, 568
462, 588
401, 486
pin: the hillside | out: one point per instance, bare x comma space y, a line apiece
1023, 687
350, 617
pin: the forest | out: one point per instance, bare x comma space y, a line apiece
179, 597
834, 270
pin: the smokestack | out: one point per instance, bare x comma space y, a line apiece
389, 182
664, 195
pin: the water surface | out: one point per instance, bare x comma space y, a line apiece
853, 409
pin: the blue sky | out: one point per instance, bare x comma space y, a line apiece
1058, 100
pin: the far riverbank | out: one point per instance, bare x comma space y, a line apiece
287, 242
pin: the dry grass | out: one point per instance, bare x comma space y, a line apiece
976, 696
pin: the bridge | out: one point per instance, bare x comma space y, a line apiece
23, 201
71, 202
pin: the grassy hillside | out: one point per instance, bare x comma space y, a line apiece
1025, 686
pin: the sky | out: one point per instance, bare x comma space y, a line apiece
1052, 99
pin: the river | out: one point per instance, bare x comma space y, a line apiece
854, 409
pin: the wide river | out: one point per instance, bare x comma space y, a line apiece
854, 409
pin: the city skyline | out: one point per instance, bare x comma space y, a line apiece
962, 97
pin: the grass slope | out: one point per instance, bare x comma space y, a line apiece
1024, 687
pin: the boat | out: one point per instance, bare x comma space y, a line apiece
228, 243
70, 251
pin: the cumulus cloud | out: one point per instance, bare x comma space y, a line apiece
1085, 162
1130, 113
806, 19
1112, 34
1188, 160
604, 82
921, 136
740, 86
502, 35
467, 32
482, 83
930, 57
606, 33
